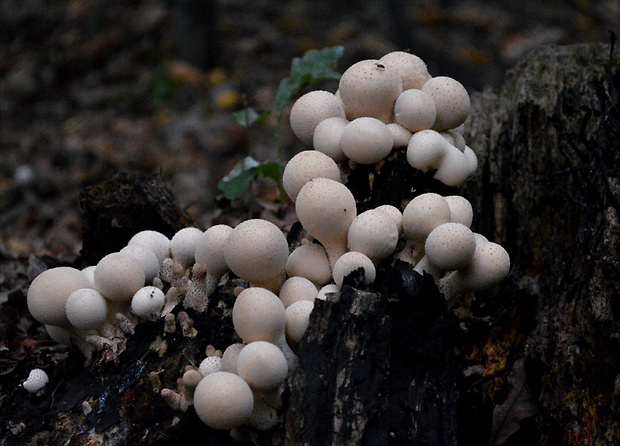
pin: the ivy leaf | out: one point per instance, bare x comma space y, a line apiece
239, 178
249, 117
315, 66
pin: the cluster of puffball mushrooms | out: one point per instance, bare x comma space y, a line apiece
380, 106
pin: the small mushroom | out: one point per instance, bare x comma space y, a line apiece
450, 246
183, 246
451, 101
415, 110
37, 379
148, 302
118, 277
210, 253
351, 261
326, 138
295, 289
147, 259
297, 320
310, 261
400, 135
258, 315
366, 140
229, 357
461, 210
411, 69
86, 309
305, 166
153, 240
312, 108
210, 364
373, 233
262, 365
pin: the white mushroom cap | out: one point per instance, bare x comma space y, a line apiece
258, 315
415, 110
86, 309
351, 261
210, 249
297, 288
147, 259
229, 357
423, 214
305, 166
373, 233
148, 302
191, 378
309, 261
223, 400
118, 277
262, 365
37, 379
369, 88
326, 209
461, 210
210, 364
312, 108
257, 251
426, 149
450, 246
451, 100
366, 140
394, 213
411, 69
89, 272
49, 291
400, 135
472, 160
329, 288
455, 137
454, 168
297, 319
155, 241
326, 138
183, 245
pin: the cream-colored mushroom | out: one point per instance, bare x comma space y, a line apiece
411, 69
312, 108
415, 110
295, 289
305, 166
326, 138
309, 260
451, 101
373, 233
366, 140
351, 261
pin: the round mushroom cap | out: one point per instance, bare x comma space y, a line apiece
366, 140
309, 261
423, 214
327, 289
326, 208
148, 302
258, 315
488, 267
411, 69
454, 167
37, 379
373, 233
210, 249
450, 246
461, 210
426, 150
191, 378
256, 251
153, 240
223, 400
86, 309
305, 166
451, 101
326, 138
370, 88
312, 108
48, 293
295, 289
415, 110
147, 259
400, 135
183, 245
394, 213
297, 319
210, 364
351, 261
229, 357
262, 365
118, 277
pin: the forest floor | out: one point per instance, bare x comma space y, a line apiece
88, 89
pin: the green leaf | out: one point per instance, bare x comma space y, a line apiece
272, 169
249, 117
239, 178
313, 67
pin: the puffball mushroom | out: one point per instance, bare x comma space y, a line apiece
366, 140
312, 108
326, 208
148, 302
351, 261
229, 357
210, 253
297, 320
48, 293
183, 245
411, 69
305, 166
450, 246
295, 289
257, 251
451, 101
210, 364
262, 365
310, 261
86, 309
373, 233
369, 88
400, 135
223, 400
153, 240
461, 210
258, 315
326, 138
415, 110
118, 277
147, 259
37, 379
